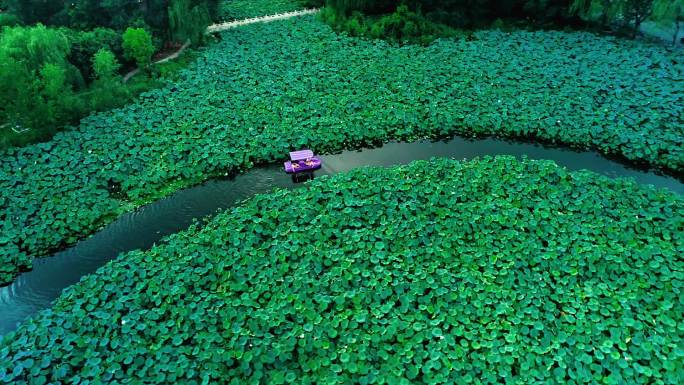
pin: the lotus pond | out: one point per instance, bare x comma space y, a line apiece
269, 88
36, 290
493, 270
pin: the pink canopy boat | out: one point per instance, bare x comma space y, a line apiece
303, 160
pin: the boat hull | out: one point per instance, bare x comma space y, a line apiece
302, 166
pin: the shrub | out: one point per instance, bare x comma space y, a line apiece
403, 26
137, 45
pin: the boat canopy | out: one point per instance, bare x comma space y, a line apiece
301, 155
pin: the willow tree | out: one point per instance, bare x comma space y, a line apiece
669, 12
635, 12
188, 21
631, 12
34, 87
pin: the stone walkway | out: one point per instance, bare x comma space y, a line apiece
262, 19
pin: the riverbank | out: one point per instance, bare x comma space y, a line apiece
429, 272
266, 89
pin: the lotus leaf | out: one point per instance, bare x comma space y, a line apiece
269, 88
477, 282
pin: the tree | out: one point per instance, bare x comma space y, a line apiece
107, 90
105, 65
37, 11
669, 12
8, 19
34, 46
137, 45
186, 23
636, 11
54, 96
34, 76
84, 44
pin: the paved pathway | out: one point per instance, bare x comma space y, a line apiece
262, 19
164, 60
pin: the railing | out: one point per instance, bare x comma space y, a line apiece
261, 19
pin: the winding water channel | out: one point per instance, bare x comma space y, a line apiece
35, 290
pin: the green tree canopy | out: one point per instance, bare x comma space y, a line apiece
669, 12
34, 81
188, 22
34, 46
137, 45
38, 11
105, 64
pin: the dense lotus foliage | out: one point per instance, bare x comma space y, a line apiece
269, 88
245, 9
490, 271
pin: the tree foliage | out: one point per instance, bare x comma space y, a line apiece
460, 13
42, 91
114, 14
107, 89
76, 56
137, 45
632, 13
473, 13
35, 11
188, 22
85, 44
34, 87
105, 64
401, 26
670, 12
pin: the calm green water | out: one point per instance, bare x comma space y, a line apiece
35, 290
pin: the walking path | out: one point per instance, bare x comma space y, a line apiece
164, 60
262, 19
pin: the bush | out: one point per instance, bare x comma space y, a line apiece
137, 45
402, 26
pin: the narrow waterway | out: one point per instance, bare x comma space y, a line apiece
35, 290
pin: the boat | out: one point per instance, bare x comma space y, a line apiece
302, 161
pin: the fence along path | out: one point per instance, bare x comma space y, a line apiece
261, 19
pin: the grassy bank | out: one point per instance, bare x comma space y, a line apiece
269, 88
499, 270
